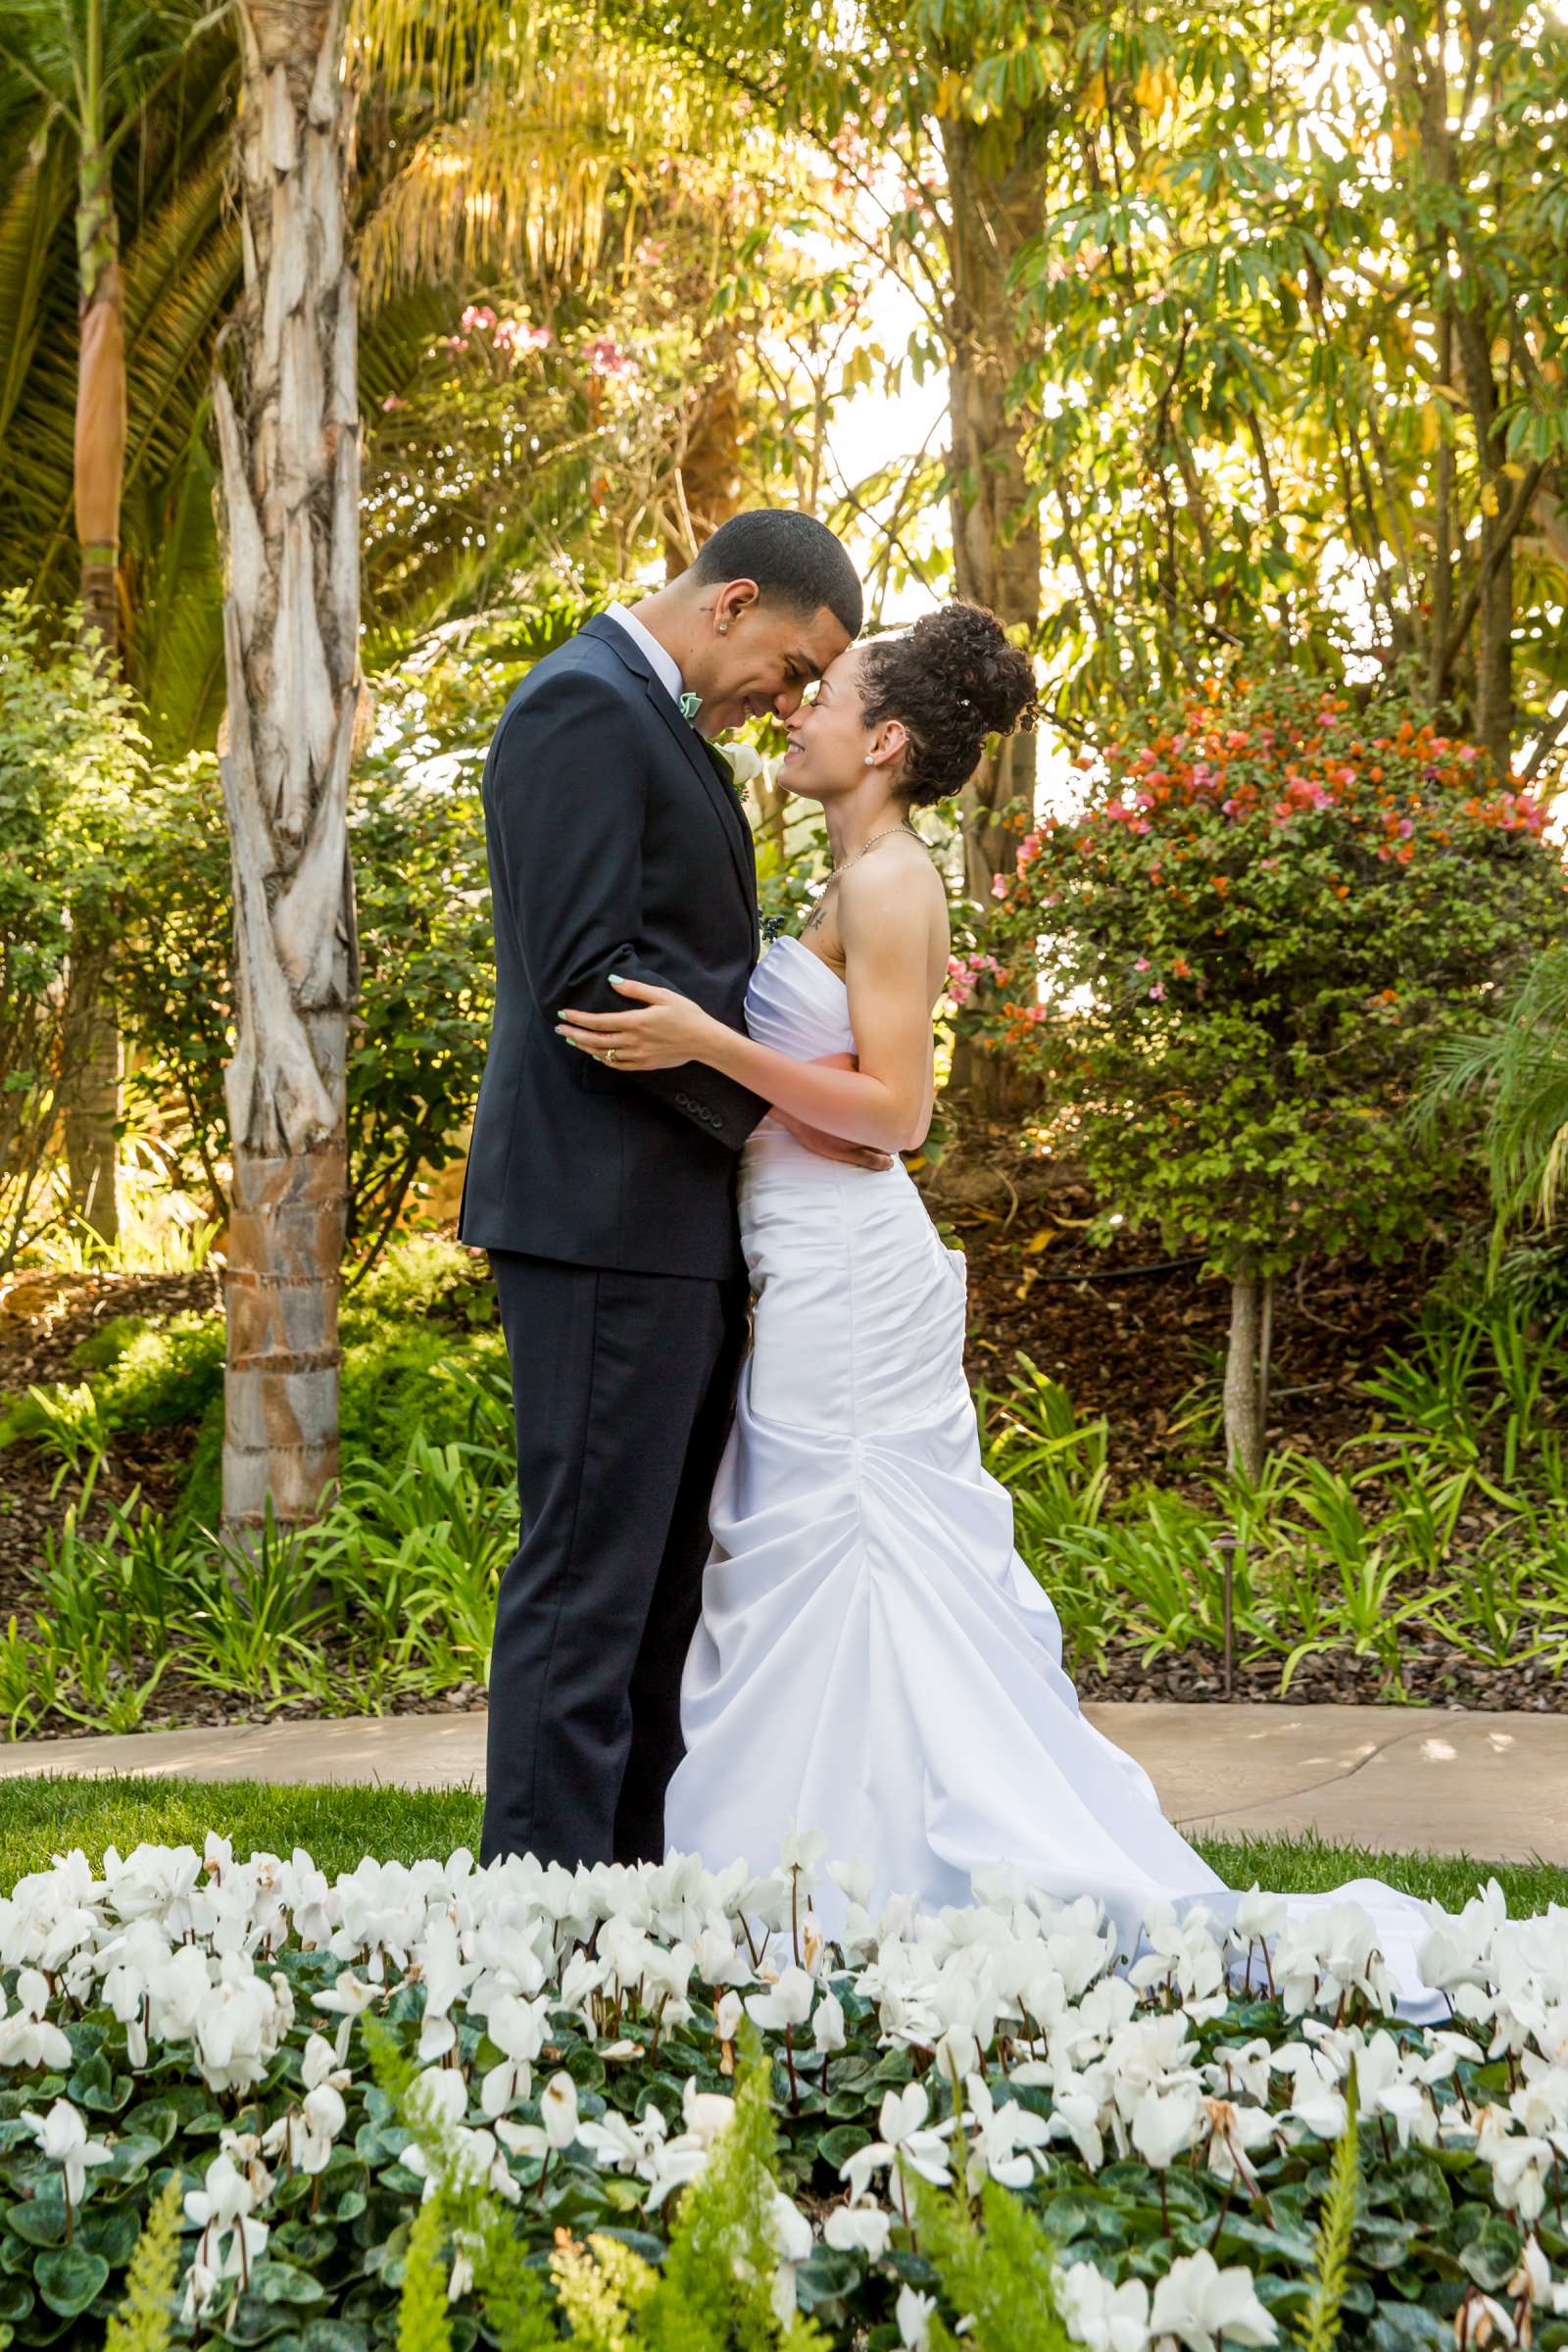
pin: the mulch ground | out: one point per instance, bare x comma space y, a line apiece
1127, 1332
44, 1318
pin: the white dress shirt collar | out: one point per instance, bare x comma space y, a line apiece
666, 667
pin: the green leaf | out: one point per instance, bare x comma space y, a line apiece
281, 2283
332, 2336
1493, 2254
1408, 2327
41, 2221
69, 2277
835, 2146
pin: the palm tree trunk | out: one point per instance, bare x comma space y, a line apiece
92, 1102
286, 407
996, 527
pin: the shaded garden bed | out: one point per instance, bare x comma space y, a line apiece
1108, 1438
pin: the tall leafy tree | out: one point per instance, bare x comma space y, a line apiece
1296, 322
79, 89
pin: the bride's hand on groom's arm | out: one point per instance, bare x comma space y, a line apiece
658, 1030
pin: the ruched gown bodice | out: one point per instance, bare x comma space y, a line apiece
873, 1658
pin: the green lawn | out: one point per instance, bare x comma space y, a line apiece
338, 1824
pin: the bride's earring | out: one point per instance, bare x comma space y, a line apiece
870, 759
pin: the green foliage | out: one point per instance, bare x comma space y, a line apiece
714, 2291
1261, 312
144, 2320
1519, 1068
73, 763
1442, 1521
1258, 931
1318, 2330
392, 1594
997, 2270
419, 1030
1444, 1518
422, 2325
717, 2288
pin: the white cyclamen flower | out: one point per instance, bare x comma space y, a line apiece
786, 2003
828, 2024
1106, 2317
1197, 2303
1163, 2129
858, 2230
26, 2038
905, 2136
63, 2136
913, 2313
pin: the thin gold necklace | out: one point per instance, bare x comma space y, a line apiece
886, 834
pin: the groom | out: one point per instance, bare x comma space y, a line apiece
606, 1197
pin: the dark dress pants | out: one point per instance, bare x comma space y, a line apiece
622, 1387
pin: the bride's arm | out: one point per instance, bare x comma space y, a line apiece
884, 1102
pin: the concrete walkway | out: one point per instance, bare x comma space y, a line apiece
1397, 1779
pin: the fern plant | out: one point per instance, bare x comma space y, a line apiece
996, 2272
1319, 2328
717, 2290
422, 2325
145, 2319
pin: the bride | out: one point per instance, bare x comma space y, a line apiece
874, 1659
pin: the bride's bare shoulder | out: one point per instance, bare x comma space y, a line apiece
898, 873
902, 907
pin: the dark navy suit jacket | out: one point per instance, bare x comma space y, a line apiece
617, 844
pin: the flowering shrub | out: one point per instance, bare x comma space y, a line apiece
568, 2041
1249, 940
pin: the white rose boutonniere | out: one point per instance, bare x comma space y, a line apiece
746, 764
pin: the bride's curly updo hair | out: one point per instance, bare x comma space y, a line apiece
953, 679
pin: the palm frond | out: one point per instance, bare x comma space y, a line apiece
1520, 1066
182, 274
175, 651
35, 209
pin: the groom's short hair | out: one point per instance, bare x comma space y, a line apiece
794, 558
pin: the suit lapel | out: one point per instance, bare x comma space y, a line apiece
704, 761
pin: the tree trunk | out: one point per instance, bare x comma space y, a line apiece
289, 441
92, 1102
1243, 1415
90, 1090
996, 525
1495, 712
707, 487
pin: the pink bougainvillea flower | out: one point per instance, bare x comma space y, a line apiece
516, 334
607, 357
480, 317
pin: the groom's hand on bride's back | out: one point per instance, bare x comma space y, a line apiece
834, 1146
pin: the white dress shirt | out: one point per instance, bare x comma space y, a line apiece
666, 668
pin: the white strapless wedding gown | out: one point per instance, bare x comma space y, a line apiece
874, 1659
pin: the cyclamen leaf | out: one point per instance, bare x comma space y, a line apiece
69, 2277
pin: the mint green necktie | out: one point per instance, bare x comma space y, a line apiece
689, 705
